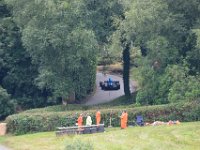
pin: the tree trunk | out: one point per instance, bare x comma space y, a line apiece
126, 68
64, 101
70, 99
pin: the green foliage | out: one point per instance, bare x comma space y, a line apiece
6, 104
27, 123
187, 89
147, 85
174, 85
167, 34
197, 32
100, 17
145, 20
48, 119
17, 73
59, 108
77, 144
59, 41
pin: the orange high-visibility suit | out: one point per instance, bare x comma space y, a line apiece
125, 119
80, 121
98, 117
123, 125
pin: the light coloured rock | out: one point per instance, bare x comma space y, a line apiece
2, 129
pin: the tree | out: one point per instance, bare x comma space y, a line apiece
163, 31
100, 18
160, 31
140, 24
16, 70
126, 66
6, 104
55, 35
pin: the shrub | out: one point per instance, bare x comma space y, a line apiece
6, 104
48, 121
59, 108
188, 89
77, 144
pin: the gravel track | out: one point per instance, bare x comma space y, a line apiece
101, 96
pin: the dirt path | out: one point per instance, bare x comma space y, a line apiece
101, 96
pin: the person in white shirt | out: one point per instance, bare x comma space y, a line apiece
88, 121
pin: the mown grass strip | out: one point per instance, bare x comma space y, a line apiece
185, 136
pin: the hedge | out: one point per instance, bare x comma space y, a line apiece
48, 121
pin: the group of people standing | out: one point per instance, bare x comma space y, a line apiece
123, 118
88, 119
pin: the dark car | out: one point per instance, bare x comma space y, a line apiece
109, 86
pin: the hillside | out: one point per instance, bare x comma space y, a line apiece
185, 136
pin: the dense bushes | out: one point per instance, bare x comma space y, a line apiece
48, 121
6, 104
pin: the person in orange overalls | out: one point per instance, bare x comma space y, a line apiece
98, 117
123, 117
80, 120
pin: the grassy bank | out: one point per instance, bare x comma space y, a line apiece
185, 136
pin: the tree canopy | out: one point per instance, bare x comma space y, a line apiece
167, 35
50, 48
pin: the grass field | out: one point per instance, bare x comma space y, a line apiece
185, 136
